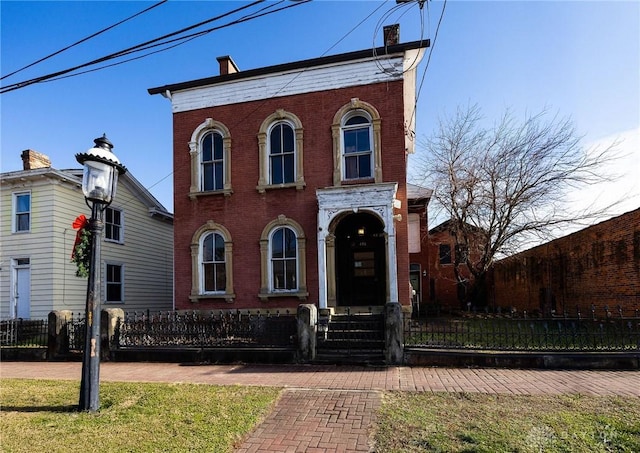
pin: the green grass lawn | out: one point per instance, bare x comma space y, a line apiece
39, 415
450, 422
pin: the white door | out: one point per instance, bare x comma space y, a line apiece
22, 289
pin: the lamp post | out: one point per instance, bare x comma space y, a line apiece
99, 181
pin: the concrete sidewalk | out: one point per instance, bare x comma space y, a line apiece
332, 408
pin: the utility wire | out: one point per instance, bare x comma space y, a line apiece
84, 39
181, 40
22, 84
424, 73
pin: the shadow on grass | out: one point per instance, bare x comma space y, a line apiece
29, 409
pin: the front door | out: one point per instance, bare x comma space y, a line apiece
22, 289
360, 261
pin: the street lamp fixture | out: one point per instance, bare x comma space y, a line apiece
99, 182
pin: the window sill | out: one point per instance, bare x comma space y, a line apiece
298, 185
226, 192
265, 296
228, 297
352, 182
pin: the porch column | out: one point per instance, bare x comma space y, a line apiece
322, 273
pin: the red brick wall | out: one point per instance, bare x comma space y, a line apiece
246, 212
599, 265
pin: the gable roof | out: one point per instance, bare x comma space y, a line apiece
74, 177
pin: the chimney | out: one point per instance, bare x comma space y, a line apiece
391, 35
32, 160
227, 65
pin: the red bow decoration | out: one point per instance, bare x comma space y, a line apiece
80, 223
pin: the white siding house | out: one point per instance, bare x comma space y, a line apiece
39, 205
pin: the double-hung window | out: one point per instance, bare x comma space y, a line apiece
357, 147
214, 270
284, 259
212, 263
22, 212
357, 153
114, 283
212, 161
280, 148
282, 154
210, 157
113, 225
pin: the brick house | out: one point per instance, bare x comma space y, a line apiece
598, 266
290, 182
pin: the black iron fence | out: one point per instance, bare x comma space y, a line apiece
604, 331
27, 333
206, 329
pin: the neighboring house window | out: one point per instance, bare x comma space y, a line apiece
445, 254
280, 147
22, 212
214, 275
211, 263
356, 144
462, 253
210, 155
283, 250
114, 282
356, 147
212, 162
113, 225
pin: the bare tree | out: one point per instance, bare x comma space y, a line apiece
504, 185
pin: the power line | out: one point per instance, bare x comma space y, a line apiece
25, 83
84, 39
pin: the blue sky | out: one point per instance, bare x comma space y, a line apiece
575, 58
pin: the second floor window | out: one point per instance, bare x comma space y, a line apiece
212, 162
282, 159
113, 225
357, 149
22, 212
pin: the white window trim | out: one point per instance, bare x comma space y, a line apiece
341, 115
197, 279
209, 125
14, 211
264, 180
201, 285
344, 128
272, 287
266, 281
122, 285
115, 241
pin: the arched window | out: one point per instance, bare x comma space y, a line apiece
282, 154
211, 162
212, 266
357, 149
356, 144
210, 155
283, 260
283, 264
214, 270
280, 144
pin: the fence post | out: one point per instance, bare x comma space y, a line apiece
109, 322
307, 320
393, 334
58, 342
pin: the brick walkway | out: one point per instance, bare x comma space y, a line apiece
332, 408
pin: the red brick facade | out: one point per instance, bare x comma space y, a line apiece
246, 211
597, 266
